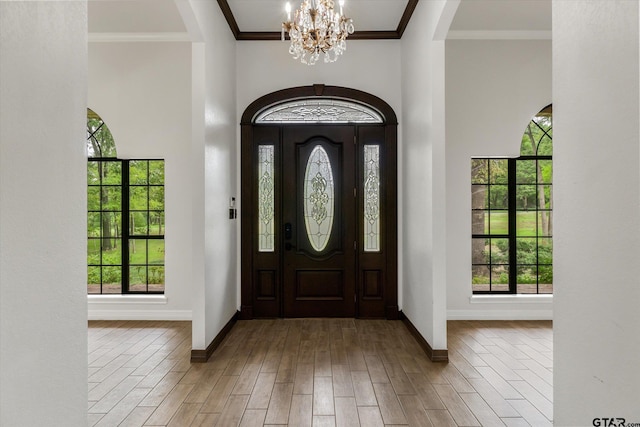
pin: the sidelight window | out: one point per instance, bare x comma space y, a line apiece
266, 198
371, 223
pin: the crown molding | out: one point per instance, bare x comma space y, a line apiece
406, 16
358, 35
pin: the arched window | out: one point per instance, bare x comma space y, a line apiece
319, 110
99, 139
125, 218
512, 221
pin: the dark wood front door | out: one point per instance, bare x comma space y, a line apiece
318, 206
318, 213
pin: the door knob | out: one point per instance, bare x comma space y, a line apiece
288, 231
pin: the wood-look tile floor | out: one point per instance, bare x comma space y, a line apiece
320, 372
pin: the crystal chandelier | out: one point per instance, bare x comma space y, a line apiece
316, 28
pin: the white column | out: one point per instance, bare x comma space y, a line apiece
43, 302
597, 211
423, 262
214, 142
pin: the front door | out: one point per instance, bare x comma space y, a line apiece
319, 211
318, 205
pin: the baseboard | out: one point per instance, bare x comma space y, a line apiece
246, 312
500, 314
433, 355
201, 356
145, 314
393, 313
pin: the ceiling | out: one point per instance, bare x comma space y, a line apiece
503, 15
502, 19
134, 16
373, 19
262, 19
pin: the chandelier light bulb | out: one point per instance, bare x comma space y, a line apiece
316, 28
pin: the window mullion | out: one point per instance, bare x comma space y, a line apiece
513, 256
125, 226
101, 236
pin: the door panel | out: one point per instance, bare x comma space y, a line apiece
318, 210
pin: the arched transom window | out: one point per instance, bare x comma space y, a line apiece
319, 110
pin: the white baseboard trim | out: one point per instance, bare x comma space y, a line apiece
512, 299
499, 314
139, 314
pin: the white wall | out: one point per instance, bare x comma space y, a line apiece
597, 211
43, 305
422, 175
493, 89
213, 174
143, 93
266, 66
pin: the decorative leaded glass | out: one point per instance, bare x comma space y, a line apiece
318, 198
266, 198
319, 110
371, 198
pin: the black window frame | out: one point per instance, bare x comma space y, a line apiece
489, 236
127, 234
512, 237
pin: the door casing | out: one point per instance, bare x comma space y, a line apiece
376, 290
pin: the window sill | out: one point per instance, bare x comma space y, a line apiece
511, 299
127, 299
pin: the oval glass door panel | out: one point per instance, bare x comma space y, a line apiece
319, 197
